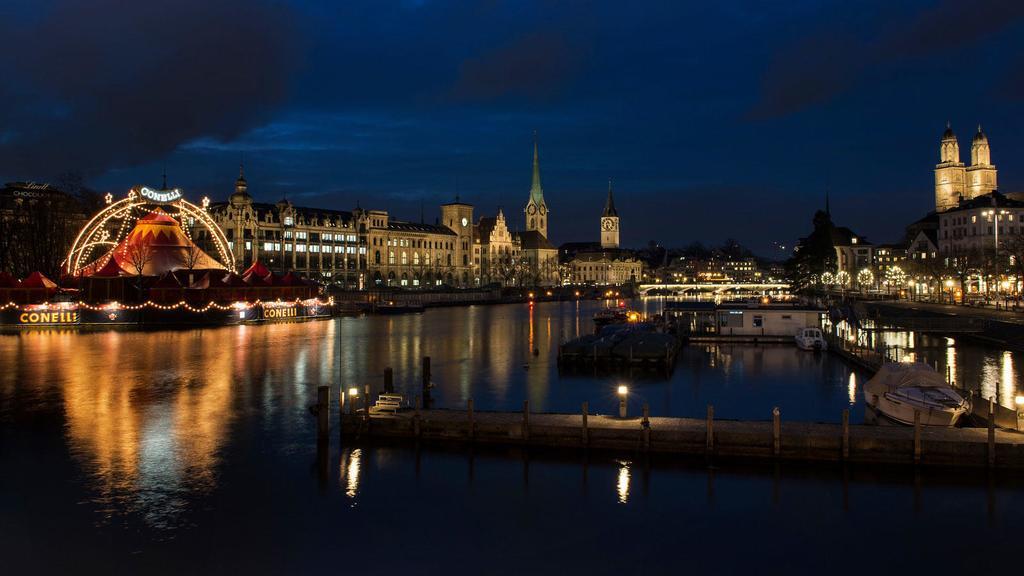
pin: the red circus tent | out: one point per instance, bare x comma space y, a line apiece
158, 245
35, 287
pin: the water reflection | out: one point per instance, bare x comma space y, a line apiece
622, 482
151, 418
991, 373
351, 462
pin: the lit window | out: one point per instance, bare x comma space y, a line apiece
288, 221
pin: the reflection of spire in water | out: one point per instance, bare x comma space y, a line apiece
851, 388
622, 486
350, 472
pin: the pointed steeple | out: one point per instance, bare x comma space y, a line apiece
828, 210
609, 205
536, 192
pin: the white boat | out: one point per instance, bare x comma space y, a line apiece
811, 339
901, 388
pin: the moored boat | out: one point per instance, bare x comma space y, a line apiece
900, 389
811, 339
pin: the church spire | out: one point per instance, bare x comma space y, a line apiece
536, 192
609, 205
828, 210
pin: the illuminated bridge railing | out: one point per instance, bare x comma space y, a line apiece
752, 287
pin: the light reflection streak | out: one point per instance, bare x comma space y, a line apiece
851, 388
350, 472
622, 485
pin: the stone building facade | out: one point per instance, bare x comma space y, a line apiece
955, 181
353, 249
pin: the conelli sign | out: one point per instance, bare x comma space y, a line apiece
162, 196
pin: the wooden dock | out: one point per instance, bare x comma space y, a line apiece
765, 440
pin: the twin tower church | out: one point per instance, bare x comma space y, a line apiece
953, 180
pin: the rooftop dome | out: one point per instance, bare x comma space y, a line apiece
948, 134
980, 136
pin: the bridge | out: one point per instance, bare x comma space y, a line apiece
715, 288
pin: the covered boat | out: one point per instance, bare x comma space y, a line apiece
901, 388
811, 339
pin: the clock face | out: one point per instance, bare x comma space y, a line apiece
531, 209
465, 222
543, 210
607, 224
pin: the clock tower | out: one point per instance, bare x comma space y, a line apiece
536, 209
609, 222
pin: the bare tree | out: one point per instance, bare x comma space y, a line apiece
962, 262
138, 256
192, 256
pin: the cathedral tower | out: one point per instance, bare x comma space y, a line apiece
609, 222
536, 209
949, 173
981, 174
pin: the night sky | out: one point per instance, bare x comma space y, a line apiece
715, 119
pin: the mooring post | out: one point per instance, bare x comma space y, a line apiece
917, 436
776, 431
991, 432
389, 380
526, 419
846, 434
323, 411
416, 416
426, 380
469, 414
645, 424
586, 439
710, 432
366, 401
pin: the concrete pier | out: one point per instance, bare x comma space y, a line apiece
770, 439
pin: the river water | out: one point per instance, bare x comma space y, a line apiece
194, 451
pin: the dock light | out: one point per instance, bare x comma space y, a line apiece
623, 392
531, 295
1020, 412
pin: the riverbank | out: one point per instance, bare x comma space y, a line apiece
1000, 328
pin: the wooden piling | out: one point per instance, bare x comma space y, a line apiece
526, 419
917, 436
586, 438
416, 416
323, 411
846, 434
469, 414
991, 432
426, 380
367, 391
389, 381
710, 432
645, 425
776, 431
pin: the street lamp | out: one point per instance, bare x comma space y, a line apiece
995, 215
623, 392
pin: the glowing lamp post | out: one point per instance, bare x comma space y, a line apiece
1019, 401
353, 393
623, 392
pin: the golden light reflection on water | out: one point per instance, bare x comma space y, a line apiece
989, 372
851, 388
351, 464
622, 483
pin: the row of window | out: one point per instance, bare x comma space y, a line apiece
315, 248
413, 243
973, 231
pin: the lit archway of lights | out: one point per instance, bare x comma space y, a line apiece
95, 243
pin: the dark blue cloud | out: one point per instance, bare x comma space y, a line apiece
715, 119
